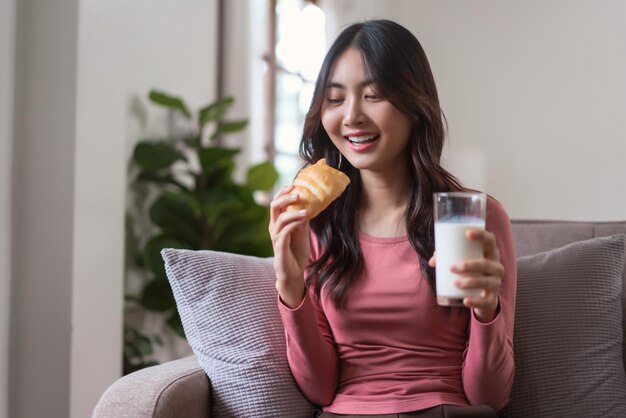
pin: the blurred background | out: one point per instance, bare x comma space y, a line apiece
534, 94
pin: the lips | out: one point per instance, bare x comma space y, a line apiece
361, 141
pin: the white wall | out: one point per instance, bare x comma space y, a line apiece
125, 49
245, 42
83, 68
534, 93
42, 204
98, 204
7, 62
170, 46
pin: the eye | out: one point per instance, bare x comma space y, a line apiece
371, 94
334, 101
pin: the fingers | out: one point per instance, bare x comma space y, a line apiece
481, 266
284, 191
489, 242
479, 274
285, 223
481, 277
479, 283
286, 235
281, 200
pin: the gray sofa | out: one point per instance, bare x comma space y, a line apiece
181, 388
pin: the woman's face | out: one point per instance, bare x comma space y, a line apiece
366, 128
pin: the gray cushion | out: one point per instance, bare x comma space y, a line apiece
228, 307
532, 237
568, 332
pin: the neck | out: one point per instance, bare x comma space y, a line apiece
384, 199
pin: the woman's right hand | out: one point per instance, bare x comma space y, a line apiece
290, 239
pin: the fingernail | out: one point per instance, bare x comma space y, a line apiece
293, 196
302, 212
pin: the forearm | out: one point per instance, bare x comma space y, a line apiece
291, 292
311, 356
489, 367
489, 364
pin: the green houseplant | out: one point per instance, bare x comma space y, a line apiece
184, 186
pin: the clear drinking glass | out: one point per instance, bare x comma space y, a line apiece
455, 214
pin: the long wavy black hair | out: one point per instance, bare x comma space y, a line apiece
394, 59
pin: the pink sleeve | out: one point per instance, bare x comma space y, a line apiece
310, 347
489, 366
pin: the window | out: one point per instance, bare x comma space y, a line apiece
298, 54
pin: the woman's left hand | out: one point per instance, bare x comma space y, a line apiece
481, 275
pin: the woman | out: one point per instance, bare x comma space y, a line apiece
365, 335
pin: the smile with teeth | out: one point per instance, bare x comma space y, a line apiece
362, 139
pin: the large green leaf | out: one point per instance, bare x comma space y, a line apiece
224, 127
225, 205
215, 110
167, 100
157, 296
153, 260
217, 161
245, 232
153, 155
221, 202
262, 176
255, 245
161, 179
176, 214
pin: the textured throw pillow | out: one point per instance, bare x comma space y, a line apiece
568, 332
228, 307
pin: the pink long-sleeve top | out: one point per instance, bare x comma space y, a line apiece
392, 349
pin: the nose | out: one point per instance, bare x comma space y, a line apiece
353, 113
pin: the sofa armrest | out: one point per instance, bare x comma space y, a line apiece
175, 388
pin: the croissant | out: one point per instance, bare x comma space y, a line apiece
317, 186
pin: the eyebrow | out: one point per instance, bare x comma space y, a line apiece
334, 84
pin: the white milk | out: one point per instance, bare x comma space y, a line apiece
453, 246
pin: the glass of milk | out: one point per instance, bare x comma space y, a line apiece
455, 214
